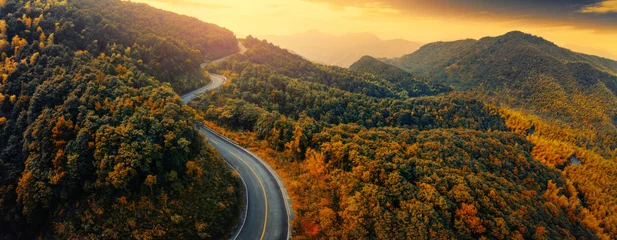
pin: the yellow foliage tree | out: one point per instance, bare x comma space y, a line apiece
42, 38
38, 20
193, 168
3, 41
121, 175
150, 181
50, 40
34, 57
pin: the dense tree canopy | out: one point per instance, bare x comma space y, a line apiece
522, 71
171, 47
92, 144
377, 164
414, 87
563, 102
95, 142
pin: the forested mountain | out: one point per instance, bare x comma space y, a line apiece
170, 46
562, 102
140, 23
342, 50
434, 56
94, 142
371, 65
524, 72
509, 137
414, 87
364, 163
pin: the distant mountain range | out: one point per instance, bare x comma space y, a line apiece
342, 50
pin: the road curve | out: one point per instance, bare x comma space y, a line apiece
266, 214
217, 81
268, 209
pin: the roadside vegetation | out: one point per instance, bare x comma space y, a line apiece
94, 140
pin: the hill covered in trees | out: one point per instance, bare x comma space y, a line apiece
522, 71
562, 102
94, 141
414, 87
362, 161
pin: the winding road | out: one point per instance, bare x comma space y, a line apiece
217, 81
267, 212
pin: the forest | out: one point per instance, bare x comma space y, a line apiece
363, 161
95, 142
563, 102
508, 137
525, 72
414, 87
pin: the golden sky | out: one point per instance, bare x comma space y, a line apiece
588, 26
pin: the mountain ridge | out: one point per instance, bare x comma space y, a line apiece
455, 47
414, 87
516, 68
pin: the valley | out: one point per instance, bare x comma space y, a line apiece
119, 120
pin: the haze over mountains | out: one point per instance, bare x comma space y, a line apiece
507, 137
342, 50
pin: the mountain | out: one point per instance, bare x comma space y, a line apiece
94, 141
371, 65
368, 64
563, 102
439, 55
363, 161
526, 72
342, 50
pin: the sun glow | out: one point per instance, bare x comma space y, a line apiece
423, 23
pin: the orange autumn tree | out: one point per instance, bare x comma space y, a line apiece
466, 214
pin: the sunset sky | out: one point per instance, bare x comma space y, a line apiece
588, 26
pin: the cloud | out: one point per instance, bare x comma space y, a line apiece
190, 3
543, 13
607, 6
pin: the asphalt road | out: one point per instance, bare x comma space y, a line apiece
266, 215
217, 81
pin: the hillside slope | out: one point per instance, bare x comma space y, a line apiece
562, 102
526, 72
371, 65
414, 87
94, 142
170, 46
360, 165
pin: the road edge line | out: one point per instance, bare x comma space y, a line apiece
263, 189
245, 192
277, 178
